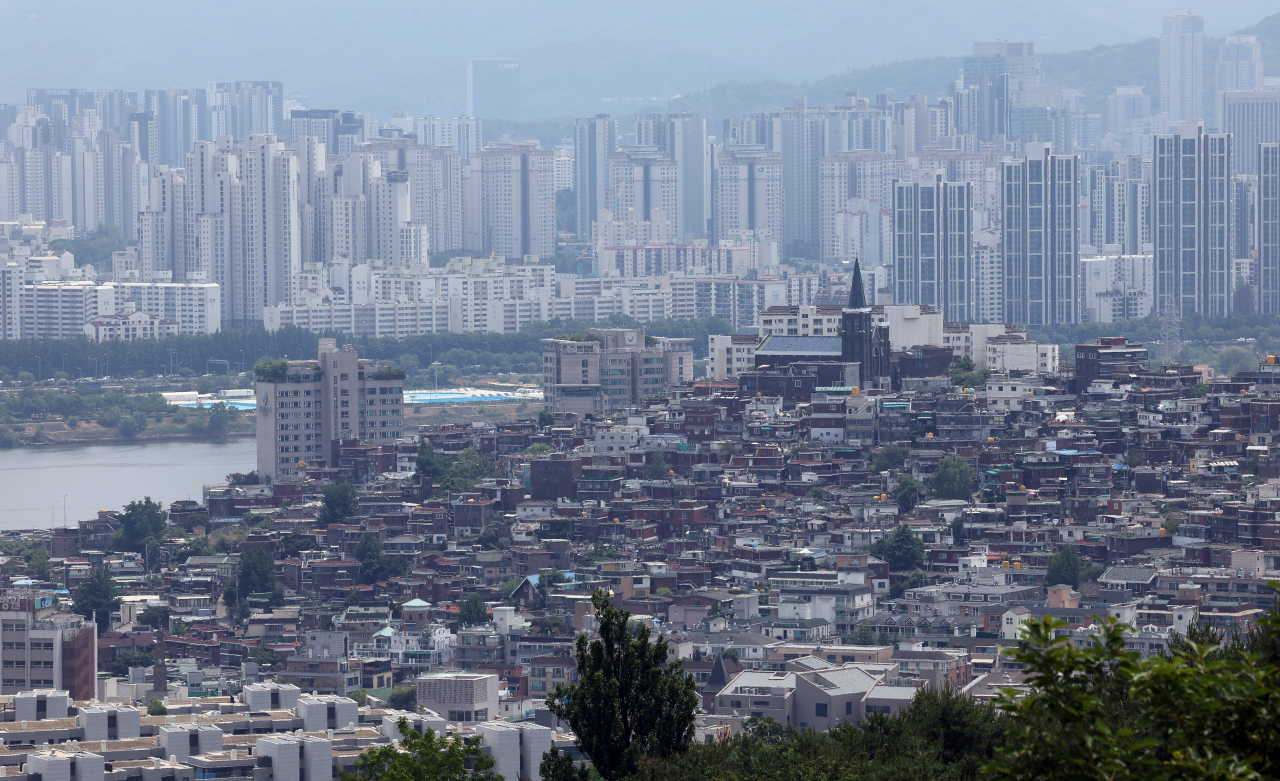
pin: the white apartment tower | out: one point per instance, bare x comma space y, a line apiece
1182, 66
519, 215
748, 191
683, 138
644, 180
595, 141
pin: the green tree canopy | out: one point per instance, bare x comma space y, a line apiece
375, 564
953, 479
465, 471
901, 549
404, 697
98, 597
156, 617
546, 419
141, 523
907, 493
268, 370
256, 573
472, 610
130, 657
657, 468
628, 703
1064, 567
264, 655
430, 756
340, 503
890, 459
1102, 711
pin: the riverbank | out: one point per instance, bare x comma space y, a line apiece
58, 432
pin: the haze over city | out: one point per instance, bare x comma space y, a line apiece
707, 391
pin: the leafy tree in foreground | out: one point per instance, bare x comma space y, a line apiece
902, 549
430, 756
1200, 713
628, 704
943, 736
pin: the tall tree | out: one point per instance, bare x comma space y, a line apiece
340, 503
890, 459
902, 549
256, 573
1064, 567
429, 756
98, 597
628, 702
907, 493
472, 610
141, 524
375, 564
953, 479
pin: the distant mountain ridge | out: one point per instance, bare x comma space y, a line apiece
1095, 72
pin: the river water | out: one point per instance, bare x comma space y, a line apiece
35, 480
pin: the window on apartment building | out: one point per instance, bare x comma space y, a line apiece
820, 709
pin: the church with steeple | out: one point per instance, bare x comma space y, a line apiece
861, 341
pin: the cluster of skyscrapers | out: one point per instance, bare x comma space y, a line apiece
1007, 199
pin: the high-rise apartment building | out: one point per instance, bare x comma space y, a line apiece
270, 230
854, 175
595, 141
1239, 63
464, 134
1268, 229
493, 89
1252, 117
1039, 237
519, 208
1125, 105
1000, 71
1191, 209
1182, 66
243, 108
683, 138
307, 409
643, 180
933, 245
748, 191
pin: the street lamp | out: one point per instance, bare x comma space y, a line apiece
436, 372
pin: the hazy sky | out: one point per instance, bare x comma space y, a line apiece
575, 54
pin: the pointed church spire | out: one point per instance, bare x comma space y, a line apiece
857, 296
